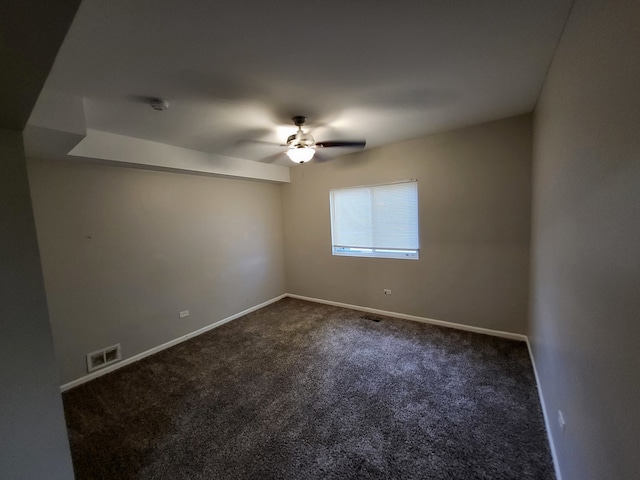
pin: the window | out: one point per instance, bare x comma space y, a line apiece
375, 221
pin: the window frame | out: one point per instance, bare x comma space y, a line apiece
369, 251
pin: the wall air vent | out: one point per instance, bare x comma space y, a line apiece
101, 358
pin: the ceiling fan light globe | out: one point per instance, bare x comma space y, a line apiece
301, 155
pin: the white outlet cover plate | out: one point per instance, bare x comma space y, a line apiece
561, 421
184, 313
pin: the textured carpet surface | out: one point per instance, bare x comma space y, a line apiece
299, 390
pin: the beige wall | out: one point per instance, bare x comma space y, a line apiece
33, 437
125, 250
474, 187
585, 320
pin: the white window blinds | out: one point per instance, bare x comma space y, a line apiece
378, 220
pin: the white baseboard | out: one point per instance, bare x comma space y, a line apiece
441, 323
546, 416
140, 356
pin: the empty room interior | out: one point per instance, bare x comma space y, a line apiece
320, 239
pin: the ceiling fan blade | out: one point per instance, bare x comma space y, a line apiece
260, 142
319, 158
342, 143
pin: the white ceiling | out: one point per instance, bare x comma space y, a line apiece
236, 70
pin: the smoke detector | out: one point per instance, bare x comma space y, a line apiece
158, 104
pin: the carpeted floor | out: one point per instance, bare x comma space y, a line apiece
299, 390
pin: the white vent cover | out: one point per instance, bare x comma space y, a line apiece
102, 358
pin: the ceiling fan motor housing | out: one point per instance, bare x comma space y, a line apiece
300, 140
302, 145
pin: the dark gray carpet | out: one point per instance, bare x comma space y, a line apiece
299, 390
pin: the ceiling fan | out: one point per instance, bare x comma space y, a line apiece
301, 146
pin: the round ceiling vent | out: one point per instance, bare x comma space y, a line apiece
159, 104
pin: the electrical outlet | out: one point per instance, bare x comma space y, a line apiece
387, 291
184, 313
561, 421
